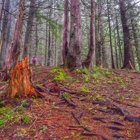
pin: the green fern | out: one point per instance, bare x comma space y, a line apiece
95, 76
85, 71
59, 74
96, 69
84, 89
65, 95
59, 77
86, 80
78, 70
69, 78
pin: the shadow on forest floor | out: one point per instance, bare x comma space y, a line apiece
100, 104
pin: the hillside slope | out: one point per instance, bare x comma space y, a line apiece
99, 104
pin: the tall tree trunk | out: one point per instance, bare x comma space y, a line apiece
101, 56
88, 61
110, 36
16, 41
8, 35
41, 54
49, 42
36, 40
1, 10
20, 84
128, 54
52, 49
98, 37
74, 51
55, 54
4, 35
104, 48
31, 49
136, 43
116, 50
29, 28
65, 32
87, 28
46, 46
119, 43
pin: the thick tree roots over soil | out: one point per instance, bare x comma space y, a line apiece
106, 107
20, 83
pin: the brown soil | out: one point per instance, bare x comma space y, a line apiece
110, 110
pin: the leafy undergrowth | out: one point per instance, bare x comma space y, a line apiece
99, 104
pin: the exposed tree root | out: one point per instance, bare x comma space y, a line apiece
131, 65
118, 136
132, 118
128, 65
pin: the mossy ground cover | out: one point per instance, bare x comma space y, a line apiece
97, 104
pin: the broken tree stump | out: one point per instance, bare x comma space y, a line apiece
20, 83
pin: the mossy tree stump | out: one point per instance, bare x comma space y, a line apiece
20, 83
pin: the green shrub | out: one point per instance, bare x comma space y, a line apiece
65, 95
25, 119
24, 103
59, 74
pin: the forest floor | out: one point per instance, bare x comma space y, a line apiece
100, 104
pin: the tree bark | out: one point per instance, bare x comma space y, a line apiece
20, 84
16, 42
31, 49
1, 11
136, 43
52, 49
110, 36
88, 61
4, 35
99, 38
116, 50
8, 34
29, 28
55, 52
49, 42
128, 54
65, 33
74, 51
36, 40
119, 43
46, 46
